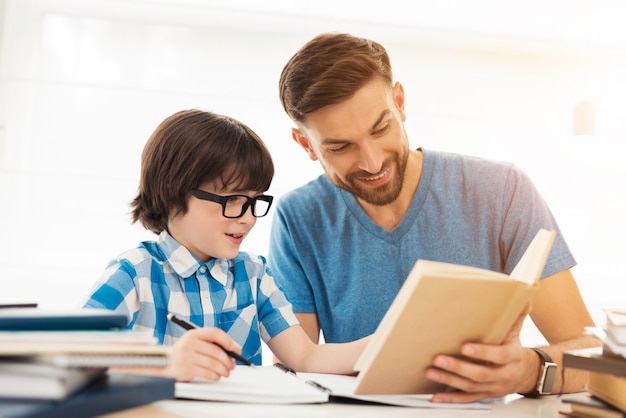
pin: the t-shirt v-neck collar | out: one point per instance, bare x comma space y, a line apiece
395, 235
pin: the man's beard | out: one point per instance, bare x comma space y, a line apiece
381, 195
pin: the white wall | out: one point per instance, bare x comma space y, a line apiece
83, 83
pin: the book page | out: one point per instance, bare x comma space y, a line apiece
341, 386
529, 268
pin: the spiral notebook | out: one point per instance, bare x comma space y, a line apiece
77, 338
89, 355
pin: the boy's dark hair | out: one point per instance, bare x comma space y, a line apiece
329, 69
190, 148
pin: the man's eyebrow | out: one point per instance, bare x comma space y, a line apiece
383, 115
334, 141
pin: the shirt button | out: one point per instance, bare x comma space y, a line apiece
203, 269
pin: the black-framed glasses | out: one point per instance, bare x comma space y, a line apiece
235, 205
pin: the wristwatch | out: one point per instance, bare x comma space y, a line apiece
547, 375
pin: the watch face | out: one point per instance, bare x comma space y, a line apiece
549, 377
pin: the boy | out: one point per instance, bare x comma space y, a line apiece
201, 189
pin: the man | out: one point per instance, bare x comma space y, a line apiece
342, 245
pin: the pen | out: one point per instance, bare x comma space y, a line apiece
188, 325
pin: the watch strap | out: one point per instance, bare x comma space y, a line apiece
545, 382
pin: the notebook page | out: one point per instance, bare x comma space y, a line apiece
266, 384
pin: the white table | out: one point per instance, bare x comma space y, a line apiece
511, 406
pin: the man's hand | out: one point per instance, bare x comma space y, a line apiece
497, 370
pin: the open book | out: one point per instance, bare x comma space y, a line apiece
280, 385
439, 307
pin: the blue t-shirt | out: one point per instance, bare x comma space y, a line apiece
331, 259
161, 277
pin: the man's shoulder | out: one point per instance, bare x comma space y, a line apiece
316, 189
460, 159
469, 167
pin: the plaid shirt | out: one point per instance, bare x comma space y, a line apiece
157, 278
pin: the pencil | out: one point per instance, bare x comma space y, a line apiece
188, 325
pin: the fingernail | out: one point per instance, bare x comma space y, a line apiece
441, 362
468, 350
432, 374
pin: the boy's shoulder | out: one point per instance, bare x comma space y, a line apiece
146, 251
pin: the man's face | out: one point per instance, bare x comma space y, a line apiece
361, 143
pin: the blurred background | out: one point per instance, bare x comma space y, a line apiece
83, 83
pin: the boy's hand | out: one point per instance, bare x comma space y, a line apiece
195, 355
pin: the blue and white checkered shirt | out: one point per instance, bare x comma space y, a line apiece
157, 278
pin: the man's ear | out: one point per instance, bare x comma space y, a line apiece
303, 141
398, 98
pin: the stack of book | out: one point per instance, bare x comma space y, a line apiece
607, 370
56, 363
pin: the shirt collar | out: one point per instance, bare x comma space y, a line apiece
185, 264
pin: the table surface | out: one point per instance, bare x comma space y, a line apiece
510, 406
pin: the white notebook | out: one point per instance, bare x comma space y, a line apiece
266, 384
278, 385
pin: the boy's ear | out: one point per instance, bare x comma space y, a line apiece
303, 141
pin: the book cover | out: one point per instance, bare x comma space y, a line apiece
594, 359
32, 319
608, 387
43, 381
440, 307
590, 406
112, 392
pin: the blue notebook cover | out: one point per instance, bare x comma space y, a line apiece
37, 319
113, 392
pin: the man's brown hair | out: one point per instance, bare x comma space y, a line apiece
329, 69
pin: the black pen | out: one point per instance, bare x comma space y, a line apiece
188, 325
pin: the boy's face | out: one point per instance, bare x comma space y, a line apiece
361, 142
205, 232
